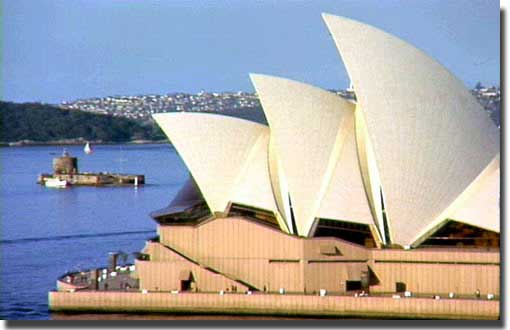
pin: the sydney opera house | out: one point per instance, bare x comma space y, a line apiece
393, 192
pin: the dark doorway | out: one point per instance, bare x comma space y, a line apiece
365, 280
353, 285
400, 287
185, 285
186, 278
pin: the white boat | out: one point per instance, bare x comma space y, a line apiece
55, 183
87, 149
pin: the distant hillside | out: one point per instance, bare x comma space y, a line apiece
46, 123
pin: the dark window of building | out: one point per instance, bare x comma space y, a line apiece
193, 214
365, 280
385, 220
142, 256
254, 213
329, 250
461, 235
293, 220
352, 232
400, 287
352, 285
187, 207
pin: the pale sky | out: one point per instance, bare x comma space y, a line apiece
63, 50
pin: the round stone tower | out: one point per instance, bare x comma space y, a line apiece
65, 164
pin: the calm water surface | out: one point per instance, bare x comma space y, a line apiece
46, 232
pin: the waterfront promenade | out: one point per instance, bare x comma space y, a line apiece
273, 304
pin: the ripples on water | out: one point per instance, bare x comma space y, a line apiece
48, 232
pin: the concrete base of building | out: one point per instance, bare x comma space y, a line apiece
273, 304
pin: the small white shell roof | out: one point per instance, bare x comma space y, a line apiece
479, 204
431, 138
225, 155
253, 185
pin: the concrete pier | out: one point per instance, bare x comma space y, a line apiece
95, 179
273, 304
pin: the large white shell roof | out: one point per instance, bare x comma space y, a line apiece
430, 136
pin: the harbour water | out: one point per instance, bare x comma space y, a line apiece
46, 232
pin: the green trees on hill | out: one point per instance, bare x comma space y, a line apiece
43, 123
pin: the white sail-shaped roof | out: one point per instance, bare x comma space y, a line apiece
227, 157
253, 186
280, 188
370, 174
307, 126
430, 137
345, 198
479, 204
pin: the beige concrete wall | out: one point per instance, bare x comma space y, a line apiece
241, 250
437, 278
162, 272
437, 271
377, 307
182, 238
347, 250
286, 275
260, 256
158, 252
267, 258
440, 255
330, 277
330, 272
236, 237
164, 276
240, 238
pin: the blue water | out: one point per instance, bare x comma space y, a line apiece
46, 232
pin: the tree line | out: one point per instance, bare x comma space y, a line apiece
44, 123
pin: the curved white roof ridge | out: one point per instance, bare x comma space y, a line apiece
431, 138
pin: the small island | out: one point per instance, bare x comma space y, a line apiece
65, 173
